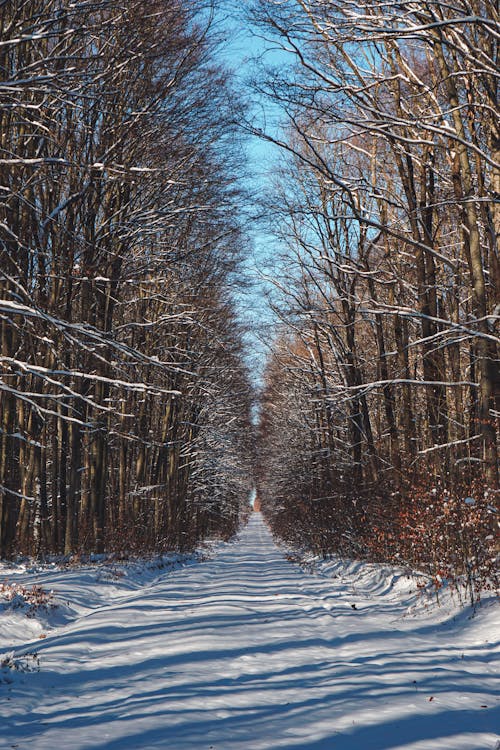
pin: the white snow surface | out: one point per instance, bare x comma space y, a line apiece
246, 650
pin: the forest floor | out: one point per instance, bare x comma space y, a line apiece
243, 651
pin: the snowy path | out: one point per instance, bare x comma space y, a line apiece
246, 651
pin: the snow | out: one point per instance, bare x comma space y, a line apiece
246, 650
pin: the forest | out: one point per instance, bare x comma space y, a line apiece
378, 435
129, 419
124, 398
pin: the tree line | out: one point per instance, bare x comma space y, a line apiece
124, 399
381, 397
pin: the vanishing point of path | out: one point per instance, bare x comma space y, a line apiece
246, 651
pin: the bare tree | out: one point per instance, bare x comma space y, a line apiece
119, 190
387, 196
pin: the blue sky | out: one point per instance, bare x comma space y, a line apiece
241, 48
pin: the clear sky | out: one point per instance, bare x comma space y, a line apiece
241, 49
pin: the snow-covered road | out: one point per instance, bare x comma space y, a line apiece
247, 651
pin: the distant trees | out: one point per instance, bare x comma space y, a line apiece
121, 371
388, 203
